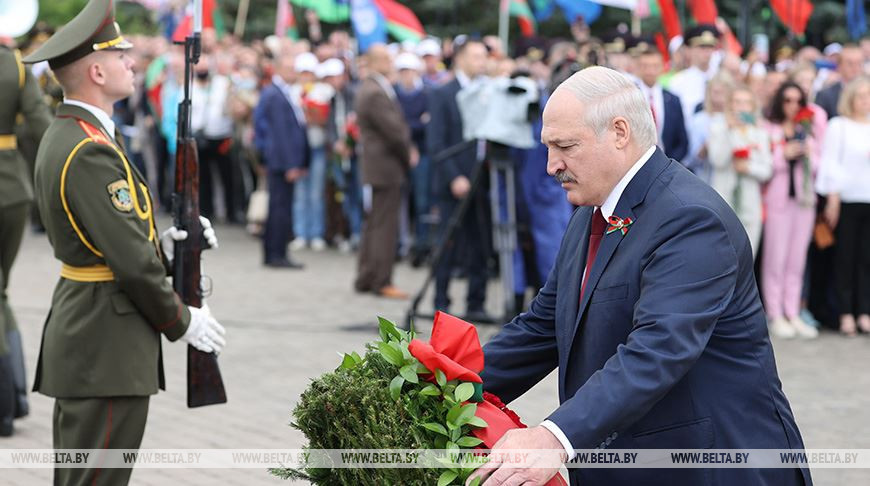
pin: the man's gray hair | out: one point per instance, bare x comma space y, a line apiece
607, 94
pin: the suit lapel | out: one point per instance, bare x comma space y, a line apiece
632, 196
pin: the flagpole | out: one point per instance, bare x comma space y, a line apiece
635, 23
503, 25
241, 18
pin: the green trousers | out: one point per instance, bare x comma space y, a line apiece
98, 423
13, 220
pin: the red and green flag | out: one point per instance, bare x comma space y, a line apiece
525, 18
402, 23
285, 21
329, 11
212, 18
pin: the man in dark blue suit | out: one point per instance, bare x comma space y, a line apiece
452, 182
651, 317
665, 106
279, 125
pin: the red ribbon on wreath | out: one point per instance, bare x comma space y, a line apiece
454, 348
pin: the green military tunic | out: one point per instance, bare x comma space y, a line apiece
19, 95
102, 337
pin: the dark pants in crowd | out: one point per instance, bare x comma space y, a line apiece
380, 235
214, 158
13, 392
279, 222
852, 259
468, 249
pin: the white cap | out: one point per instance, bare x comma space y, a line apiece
833, 48
305, 61
330, 67
428, 47
408, 45
406, 60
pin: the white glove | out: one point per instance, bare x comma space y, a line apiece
204, 332
173, 234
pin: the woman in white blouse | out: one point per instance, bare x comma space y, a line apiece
739, 151
844, 176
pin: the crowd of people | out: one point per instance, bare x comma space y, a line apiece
351, 150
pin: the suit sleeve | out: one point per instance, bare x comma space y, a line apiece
123, 239
687, 281
525, 350
436, 136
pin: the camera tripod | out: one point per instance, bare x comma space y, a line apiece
493, 163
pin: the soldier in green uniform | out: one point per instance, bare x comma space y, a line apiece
101, 357
20, 99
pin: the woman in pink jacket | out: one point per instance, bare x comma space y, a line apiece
789, 199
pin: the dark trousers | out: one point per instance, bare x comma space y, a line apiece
214, 158
852, 258
97, 423
13, 390
279, 222
468, 249
380, 234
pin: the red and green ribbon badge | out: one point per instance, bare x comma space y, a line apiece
618, 224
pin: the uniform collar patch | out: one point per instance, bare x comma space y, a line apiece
119, 191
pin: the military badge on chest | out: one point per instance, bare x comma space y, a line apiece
119, 191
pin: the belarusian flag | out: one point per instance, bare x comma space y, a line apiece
285, 21
330, 11
520, 9
402, 23
211, 18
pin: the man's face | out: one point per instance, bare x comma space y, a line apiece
701, 56
584, 163
115, 72
649, 68
851, 63
473, 59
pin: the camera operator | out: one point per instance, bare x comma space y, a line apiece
452, 182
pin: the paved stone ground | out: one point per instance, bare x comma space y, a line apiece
285, 328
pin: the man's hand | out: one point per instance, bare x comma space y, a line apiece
294, 175
414, 158
204, 332
741, 166
539, 467
173, 234
460, 186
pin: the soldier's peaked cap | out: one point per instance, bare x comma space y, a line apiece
93, 29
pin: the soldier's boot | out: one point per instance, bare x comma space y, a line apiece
19, 375
7, 397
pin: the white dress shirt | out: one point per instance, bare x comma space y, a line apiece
607, 210
100, 115
654, 96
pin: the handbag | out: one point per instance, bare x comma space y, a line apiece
258, 205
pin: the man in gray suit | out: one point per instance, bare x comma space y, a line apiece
386, 157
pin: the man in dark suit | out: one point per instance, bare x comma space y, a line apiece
453, 182
850, 66
386, 157
279, 125
665, 106
651, 313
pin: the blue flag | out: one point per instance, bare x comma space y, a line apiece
543, 9
856, 18
576, 8
369, 24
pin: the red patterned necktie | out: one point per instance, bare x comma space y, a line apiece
596, 232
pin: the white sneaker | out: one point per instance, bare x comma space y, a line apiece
298, 244
803, 329
781, 328
317, 244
